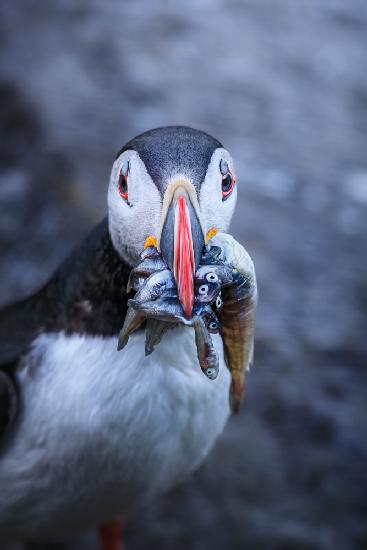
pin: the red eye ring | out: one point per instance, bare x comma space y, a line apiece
227, 186
123, 186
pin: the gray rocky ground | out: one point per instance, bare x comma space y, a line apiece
284, 85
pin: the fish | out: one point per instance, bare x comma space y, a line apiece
213, 326
220, 274
156, 285
212, 322
209, 280
151, 264
155, 329
206, 312
164, 309
133, 321
237, 325
154, 332
149, 288
150, 252
206, 293
206, 352
211, 254
170, 311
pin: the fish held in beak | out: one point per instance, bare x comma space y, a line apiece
181, 244
237, 318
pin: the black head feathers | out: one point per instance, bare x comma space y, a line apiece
174, 150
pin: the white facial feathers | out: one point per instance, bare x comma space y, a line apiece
133, 219
214, 211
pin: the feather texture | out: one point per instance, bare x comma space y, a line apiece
101, 430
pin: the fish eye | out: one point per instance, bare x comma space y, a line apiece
218, 302
212, 277
122, 180
203, 289
211, 373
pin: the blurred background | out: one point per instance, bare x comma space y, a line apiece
283, 84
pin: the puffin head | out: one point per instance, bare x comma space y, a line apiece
173, 187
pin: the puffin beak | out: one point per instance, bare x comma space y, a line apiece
181, 244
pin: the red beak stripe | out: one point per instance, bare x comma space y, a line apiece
183, 260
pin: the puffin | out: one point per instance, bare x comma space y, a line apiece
87, 432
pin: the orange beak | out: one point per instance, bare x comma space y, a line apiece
181, 244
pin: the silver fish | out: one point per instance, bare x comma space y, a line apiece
163, 309
155, 286
150, 252
206, 312
143, 270
169, 310
154, 332
133, 320
211, 254
207, 355
212, 322
220, 274
206, 293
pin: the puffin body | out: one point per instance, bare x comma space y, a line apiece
99, 431
127, 428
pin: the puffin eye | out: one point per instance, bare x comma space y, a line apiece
228, 180
122, 182
227, 185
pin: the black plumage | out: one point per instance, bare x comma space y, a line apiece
86, 295
174, 149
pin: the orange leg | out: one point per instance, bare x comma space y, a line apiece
110, 535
